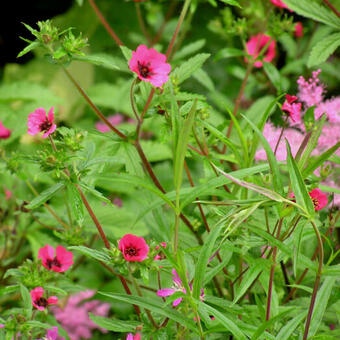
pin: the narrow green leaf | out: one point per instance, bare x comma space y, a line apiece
45, 195
26, 299
29, 48
94, 192
203, 259
232, 3
76, 203
274, 167
287, 330
217, 268
115, 325
93, 253
323, 49
104, 60
298, 185
228, 52
224, 320
273, 75
155, 307
126, 52
204, 79
189, 49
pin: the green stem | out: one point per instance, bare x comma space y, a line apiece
317, 280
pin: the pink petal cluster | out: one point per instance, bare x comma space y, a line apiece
319, 198
160, 256
130, 336
59, 262
4, 132
255, 45
293, 109
279, 3
150, 65
39, 302
52, 334
73, 317
38, 121
311, 91
134, 248
298, 32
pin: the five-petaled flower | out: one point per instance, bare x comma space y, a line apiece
319, 198
59, 262
130, 336
177, 287
150, 65
293, 109
134, 248
255, 46
39, 302
38, 121
4, 132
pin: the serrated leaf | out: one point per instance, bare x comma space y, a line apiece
94, 192
114, 325
189, 49
45, 195
93, 253
76, 203
104, 60
323, 49
26, 299
185, 70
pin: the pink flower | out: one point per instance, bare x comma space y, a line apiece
255, 46
160, 256
8, 194
52, 334
74, 316
177, 287
130, 336
150, 65
59, 262
4, 133
279, 3
114, 120
118, 202
311, 90
298, 30
293, 109
38, 121
134, 248
319, 198
39, 302
2, 326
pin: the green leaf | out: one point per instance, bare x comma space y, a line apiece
93, 253
232, 3
298, 185
45, 195
311, 9
189, 49
115, 325
287, 330
228, 52
94, 192
76, 203
217, 268
104, 60
26, 299
203, 259
29, 48
323, 49
309, 118
204, 79
274, 167
273, 75
126, 52
185, 70
321, 304
155, 307
222, 318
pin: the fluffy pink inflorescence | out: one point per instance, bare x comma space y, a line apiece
59, 262
134, 248
311, 91
39, 302
52, 334
150, 65
255, 45
73, 317
130, 336
4, 132
298, 30
279, 3
38, 121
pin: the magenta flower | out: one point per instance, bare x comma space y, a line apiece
52, 334
134, 248
293, 109
255, 46
160, 256
8, 194
59, 262
279, 3
319, 198
311, 91
114, 120
150, 65
130, 336
298, 30
177, 287
4, 133
39, 302
38, 121
74, 315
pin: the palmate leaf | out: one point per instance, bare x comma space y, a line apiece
156, 307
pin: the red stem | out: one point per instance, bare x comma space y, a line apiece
334, 10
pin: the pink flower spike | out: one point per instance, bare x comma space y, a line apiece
4, 133
256, 44
134, 248
38, 301
38, 121
59, 263
52, 334
319, 198
279, 3
150, 65
298, 30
